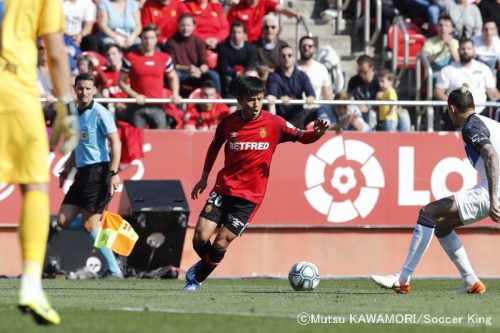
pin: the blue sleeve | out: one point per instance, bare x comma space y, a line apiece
475, 134
134, 7
106, 123
272, 85
308, 89
126, 65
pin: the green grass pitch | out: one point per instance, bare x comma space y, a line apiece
255, 305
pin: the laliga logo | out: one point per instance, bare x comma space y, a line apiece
6, 190
357, 156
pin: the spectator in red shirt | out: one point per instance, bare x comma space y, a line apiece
109, 77
251, 12
208, 115
189, 55
164, 14
212, 25
147, 68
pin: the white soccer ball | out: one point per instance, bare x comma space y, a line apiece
303, 276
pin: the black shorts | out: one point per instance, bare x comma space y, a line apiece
231, 212
90, 190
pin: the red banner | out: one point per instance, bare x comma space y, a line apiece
350, 179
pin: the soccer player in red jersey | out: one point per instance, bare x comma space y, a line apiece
250, 138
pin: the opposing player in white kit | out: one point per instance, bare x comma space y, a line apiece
481, 136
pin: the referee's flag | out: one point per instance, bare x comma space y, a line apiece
116, 233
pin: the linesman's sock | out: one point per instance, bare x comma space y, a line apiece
210, 262
33, 234
109, 257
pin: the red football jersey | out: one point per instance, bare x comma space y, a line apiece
164, 16
251, 17
108, 78
147, 72
248, 152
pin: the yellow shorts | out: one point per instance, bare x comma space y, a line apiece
24, 147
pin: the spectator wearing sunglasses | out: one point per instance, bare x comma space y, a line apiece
289, 83
269, 45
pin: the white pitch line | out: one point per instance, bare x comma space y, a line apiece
261, 315
221, 313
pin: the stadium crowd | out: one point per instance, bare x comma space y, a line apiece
200, 48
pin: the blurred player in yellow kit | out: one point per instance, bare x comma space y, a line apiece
23, 136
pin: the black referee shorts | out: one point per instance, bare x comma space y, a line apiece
90, 190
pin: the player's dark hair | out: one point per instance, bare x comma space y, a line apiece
186, 15
85, 77
306, 37
365, 59
112, 45
464, 40
387, 74
461, 98
238, 24
151, 27
446, 17
208, 84
249, 86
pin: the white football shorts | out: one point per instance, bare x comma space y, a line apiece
474, 203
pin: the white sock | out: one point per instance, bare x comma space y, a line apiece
31, 279
422, 237
456, 251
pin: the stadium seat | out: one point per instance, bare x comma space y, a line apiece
416, 43
172, 111
211, 59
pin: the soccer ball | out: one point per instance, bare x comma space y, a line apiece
303, 276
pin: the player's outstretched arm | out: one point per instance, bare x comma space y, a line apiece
491, 165
320, 127
212, 152
66, 124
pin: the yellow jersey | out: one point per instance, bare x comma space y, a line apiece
390, 94
21, 21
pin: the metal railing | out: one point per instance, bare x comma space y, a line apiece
400, 24
341, 6
278, 101
306, 29
417, 103
371, 39
422, 60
